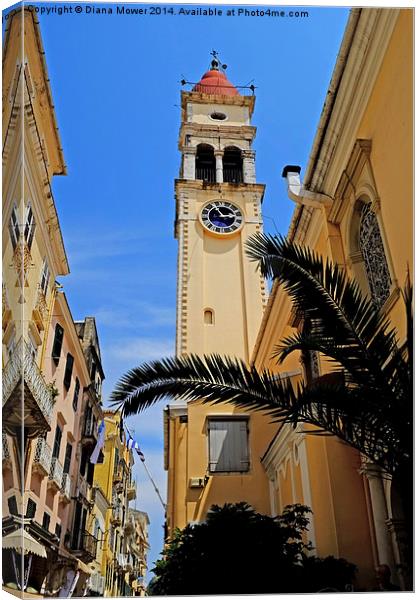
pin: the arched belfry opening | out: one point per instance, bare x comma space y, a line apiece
205, 163
232, 165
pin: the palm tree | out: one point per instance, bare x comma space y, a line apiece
366, 400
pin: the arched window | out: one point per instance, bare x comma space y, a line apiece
372, 249
205, 163
232, 165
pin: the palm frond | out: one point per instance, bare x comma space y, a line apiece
353, 331
329, 404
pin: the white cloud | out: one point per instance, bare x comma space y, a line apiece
86, 246
141, 349
143, 314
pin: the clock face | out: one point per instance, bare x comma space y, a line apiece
221, 217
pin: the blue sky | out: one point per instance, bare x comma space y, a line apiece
115, 81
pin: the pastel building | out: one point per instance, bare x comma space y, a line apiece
123, 558
52, 369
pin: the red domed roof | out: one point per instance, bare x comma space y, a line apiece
216, 83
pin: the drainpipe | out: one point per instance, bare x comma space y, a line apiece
299, 194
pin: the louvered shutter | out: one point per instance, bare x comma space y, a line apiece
217, 436
228, 445
58, 342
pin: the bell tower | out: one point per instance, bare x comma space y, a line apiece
213, 452
218, 206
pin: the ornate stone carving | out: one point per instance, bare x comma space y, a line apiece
22, 258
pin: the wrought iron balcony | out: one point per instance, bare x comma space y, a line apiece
97, 583
42, 457
132, 491
56, 473
83, 487
38, 398
85, 546
116, 516
66, 487
89, 435
118, 475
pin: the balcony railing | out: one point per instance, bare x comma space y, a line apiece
42, 458
56, 473
83, 486
118, 475
97, 583
85, 546
66, 486
116, 516
132, 491
22, 361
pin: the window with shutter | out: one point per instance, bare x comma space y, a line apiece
29, 226
58, 342
68, 371
14, 227
12, 504
57, 442
67, 459
46, 521
30, 509
58, 530
228, 445
76, 394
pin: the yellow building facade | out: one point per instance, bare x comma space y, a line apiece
120, 561
354, 206
212, 453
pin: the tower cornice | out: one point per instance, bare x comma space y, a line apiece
200, 98
197, 184
243, 132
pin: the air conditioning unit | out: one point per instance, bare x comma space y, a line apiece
197, 482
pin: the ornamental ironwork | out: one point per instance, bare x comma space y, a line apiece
23, 362
56, 472
42, 457
373, 253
